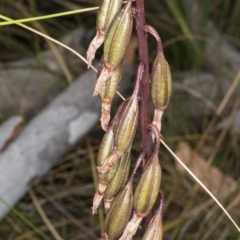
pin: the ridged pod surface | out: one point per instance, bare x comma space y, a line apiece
148, 187
107, 93
119, 179
118, 37
161, 82
125, 132
109, 88
103, 178
119, 213
155, 229
125, 129
115, 44
161, 88
106, 146
107, 12
146, 191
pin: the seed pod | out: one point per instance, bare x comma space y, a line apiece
161, 82
125, 132
106, 146
146, 191
119, 180
145, 196
104, 151
107, 93
123, 200
126, 128
155, 229
148, 187
116, 44
161, 87
106, 13
119, 213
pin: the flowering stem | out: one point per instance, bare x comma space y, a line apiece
144, 108
144, 87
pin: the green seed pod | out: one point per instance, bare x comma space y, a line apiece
119, 213
107, 93
106, 146
104, 152
107, 12
155, 228
148, 187
133, 224
161, 87
125, 132
116, 44
118, 37
145, 196
119, 180
126, 128
103, 180
127, 125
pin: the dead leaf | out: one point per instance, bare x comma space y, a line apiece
216, 181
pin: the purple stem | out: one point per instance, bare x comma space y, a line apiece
144, 88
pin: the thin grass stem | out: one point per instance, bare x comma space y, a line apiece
44, 217
49, 38
201, 184
50, 16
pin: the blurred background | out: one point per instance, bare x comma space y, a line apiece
201, 42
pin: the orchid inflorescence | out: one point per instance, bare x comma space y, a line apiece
114, 29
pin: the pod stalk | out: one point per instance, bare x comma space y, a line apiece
155, 34
157, 136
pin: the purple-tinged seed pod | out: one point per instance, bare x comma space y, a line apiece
148, 187
161, 87
104, 152
106, 145
145, 195
119, 180
107, 12
146, 191
115, 44
119, 213
155, 229
126, 127
121, 208
107, 93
